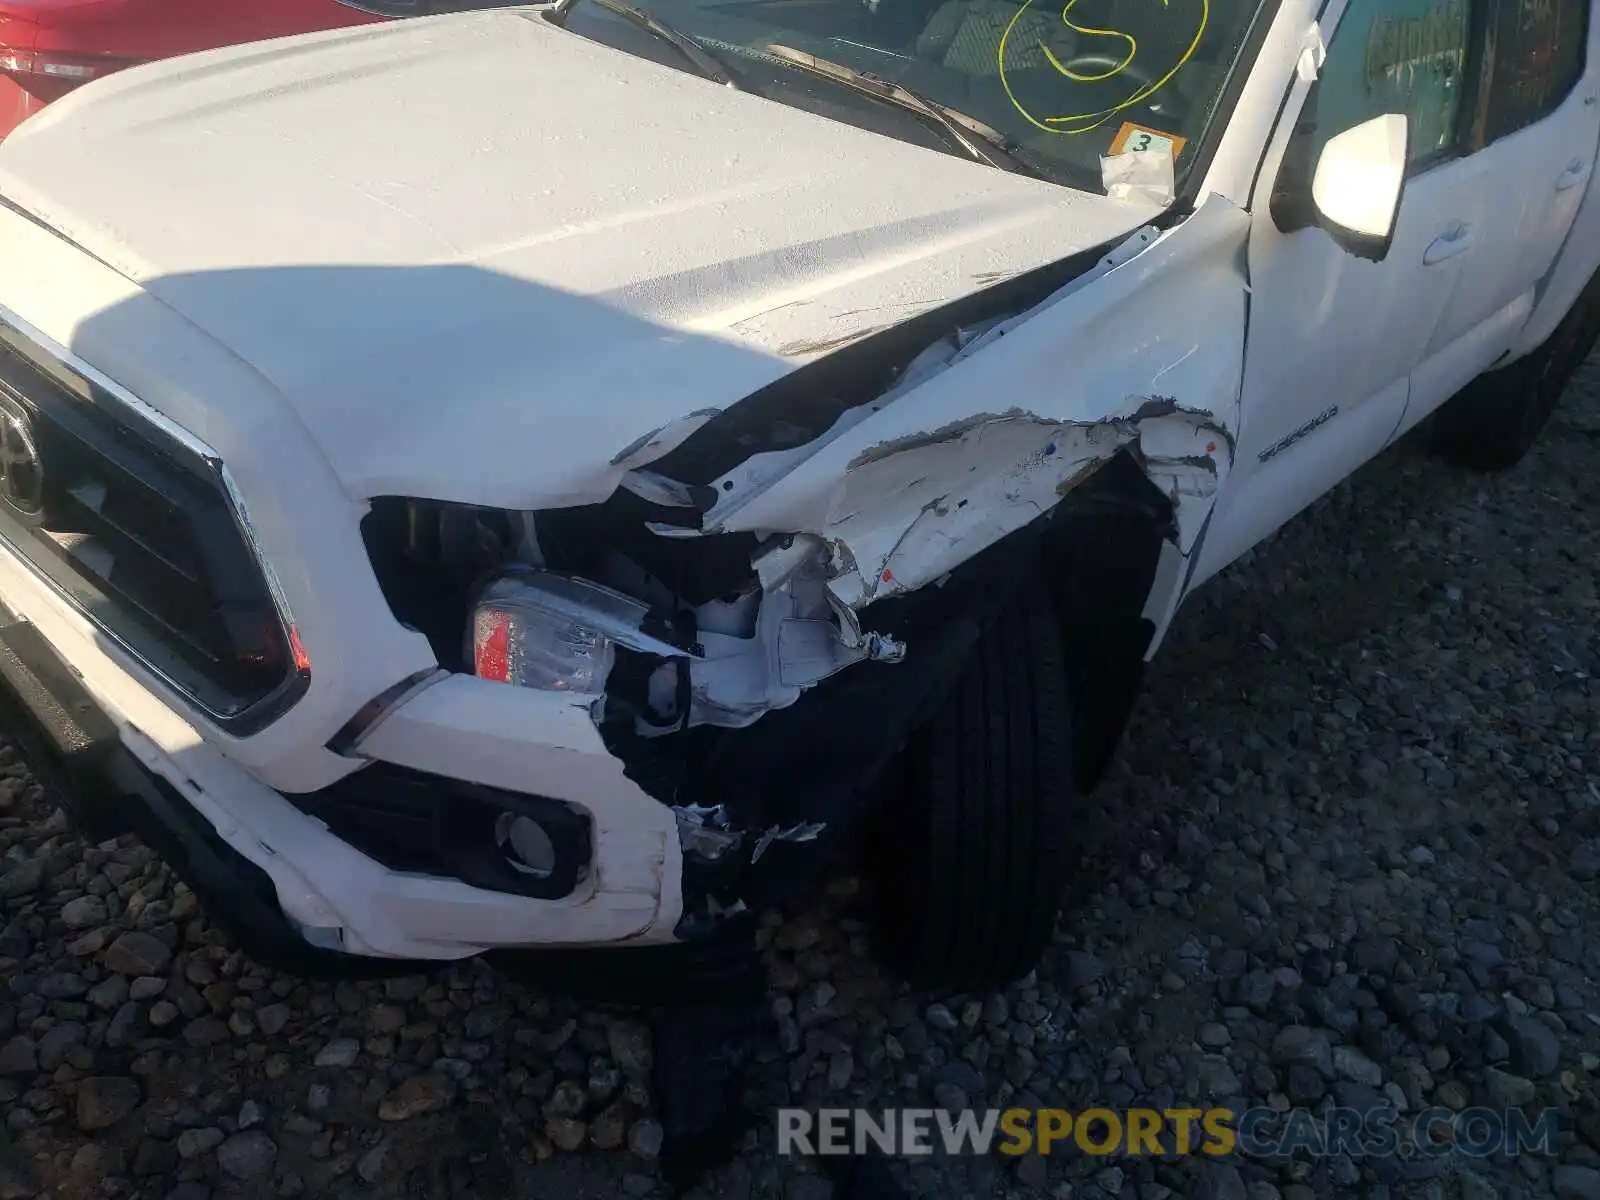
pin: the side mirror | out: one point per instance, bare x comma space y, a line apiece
1359, 181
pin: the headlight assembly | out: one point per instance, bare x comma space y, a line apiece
541, 629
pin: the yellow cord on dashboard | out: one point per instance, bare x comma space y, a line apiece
1100, 116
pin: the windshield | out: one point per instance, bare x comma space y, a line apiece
1064, 81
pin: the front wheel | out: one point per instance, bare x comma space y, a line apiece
1492, 423
974, 827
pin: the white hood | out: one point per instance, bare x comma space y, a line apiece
481, 256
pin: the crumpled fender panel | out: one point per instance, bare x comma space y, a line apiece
1143, 353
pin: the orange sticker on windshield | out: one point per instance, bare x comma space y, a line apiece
1141, 139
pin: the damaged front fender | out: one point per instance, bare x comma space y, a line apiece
1145, 357
970, 488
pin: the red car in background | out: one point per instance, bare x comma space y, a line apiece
49, 47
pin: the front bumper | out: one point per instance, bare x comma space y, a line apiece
76, 753
124, 757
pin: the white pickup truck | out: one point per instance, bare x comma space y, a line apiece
552, 477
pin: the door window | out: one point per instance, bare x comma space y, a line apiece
1533, 58
1395, 56
1387, 56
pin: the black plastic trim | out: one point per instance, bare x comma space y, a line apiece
371, 714
429, 824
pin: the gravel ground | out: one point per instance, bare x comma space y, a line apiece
1359, 798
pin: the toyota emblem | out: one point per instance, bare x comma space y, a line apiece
21, 473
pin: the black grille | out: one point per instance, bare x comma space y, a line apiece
139, 530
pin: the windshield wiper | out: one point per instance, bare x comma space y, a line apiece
982, 142
704, 62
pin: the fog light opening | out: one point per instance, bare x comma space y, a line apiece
525, 845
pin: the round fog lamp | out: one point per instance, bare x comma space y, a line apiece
525, 844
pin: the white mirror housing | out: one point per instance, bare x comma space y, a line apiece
1358, 184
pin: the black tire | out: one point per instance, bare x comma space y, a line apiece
1492, 423
971, 856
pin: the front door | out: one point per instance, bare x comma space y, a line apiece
1533, 110
1333, 339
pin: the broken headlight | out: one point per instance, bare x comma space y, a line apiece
558, 633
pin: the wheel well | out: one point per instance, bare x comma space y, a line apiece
812, 762
1099, 555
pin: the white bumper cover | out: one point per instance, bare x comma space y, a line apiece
462, 728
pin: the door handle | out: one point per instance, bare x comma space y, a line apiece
1458, 241
1576, 170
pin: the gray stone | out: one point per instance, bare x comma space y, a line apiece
137, 953
127, 1025
1374, 954
608, 1128
1583, 864
1350, 1063
1255, 990
604, 1080
146, 987
1302, 1044
941, 1018
841, 1067
963, 1074
24, 878
1577, 1183
247, 1155
566, 1133
1217, 1078
194, 1142
1508, 1090
809, 1187
1305, 1084
1474, 1186
341, 1052
1535, 1049
16, 938
103, 1100
19, 1056
416, 1096
1033, 1172
271, 1018
163, 1013
154, 1157
109, 993
203, 1032
567, 1100
485, 1021
630, 1046
1222, 1181
375, 1163
60, 985
84, 912
1082, 969
58, 1041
